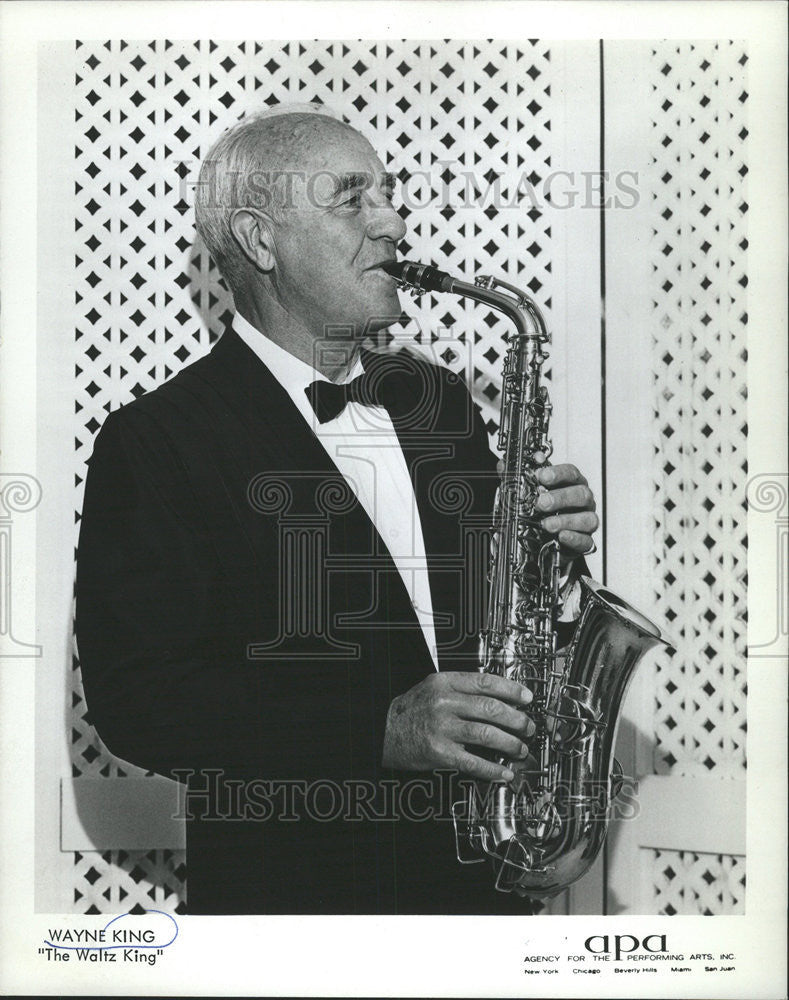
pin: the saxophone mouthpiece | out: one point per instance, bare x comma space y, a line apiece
393, 267
423, 277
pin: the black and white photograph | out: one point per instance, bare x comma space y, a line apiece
394, 499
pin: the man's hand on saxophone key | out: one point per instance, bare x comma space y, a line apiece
569, 508
431, 725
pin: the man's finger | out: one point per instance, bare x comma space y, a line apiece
494, 711
490, 685
585, 522
476, 767
576, 541
480, 734
560, 475
566, 498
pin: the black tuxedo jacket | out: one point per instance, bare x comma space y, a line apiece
242, 627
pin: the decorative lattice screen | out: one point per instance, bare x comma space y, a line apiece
700, 471
147, 301
698, 884
470, 119
128, 881
700, 316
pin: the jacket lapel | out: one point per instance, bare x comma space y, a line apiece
453, 474
278, 455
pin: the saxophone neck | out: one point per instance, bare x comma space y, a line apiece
510, 300
500, 295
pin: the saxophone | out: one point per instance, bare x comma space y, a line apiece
543, 830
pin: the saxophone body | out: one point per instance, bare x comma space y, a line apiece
542, 831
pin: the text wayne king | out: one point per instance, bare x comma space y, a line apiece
119, 935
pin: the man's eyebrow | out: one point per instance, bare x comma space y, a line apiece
350, 182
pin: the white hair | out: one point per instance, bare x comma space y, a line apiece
233, 176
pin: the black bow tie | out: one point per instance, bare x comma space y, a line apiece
383, 383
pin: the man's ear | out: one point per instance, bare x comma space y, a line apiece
253, 231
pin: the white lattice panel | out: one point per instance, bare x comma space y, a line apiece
697, 884
699, 349
129, 881
470, 122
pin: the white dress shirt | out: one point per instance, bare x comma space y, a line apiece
363, 445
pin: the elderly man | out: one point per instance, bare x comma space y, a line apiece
269, 601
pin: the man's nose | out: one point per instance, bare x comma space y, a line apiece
385, 222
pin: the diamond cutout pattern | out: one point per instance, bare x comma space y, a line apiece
129, 881
698, 257
697, 884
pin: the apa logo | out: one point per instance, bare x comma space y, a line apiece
624, 944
